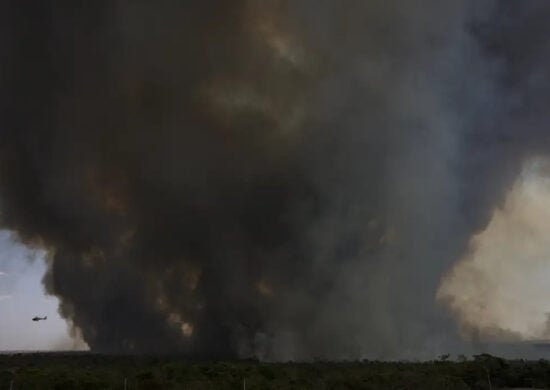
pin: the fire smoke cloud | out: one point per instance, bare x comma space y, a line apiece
281, 179
500, 287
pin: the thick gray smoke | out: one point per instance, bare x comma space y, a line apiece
281, 179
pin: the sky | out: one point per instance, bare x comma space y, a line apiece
22, 297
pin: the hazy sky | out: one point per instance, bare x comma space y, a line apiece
22, 297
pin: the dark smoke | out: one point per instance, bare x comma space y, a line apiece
282, 179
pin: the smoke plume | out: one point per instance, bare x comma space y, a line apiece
500, 287
281, 179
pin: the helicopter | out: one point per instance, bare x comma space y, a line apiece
40, 318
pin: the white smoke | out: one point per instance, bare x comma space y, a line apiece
499, 290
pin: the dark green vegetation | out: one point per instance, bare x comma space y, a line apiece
87, 371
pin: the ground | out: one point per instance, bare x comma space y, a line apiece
87, 371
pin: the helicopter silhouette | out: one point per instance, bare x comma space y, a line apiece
40, 318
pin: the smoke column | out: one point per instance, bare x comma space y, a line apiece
499, 288
280, 179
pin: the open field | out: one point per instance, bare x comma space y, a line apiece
85, 371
